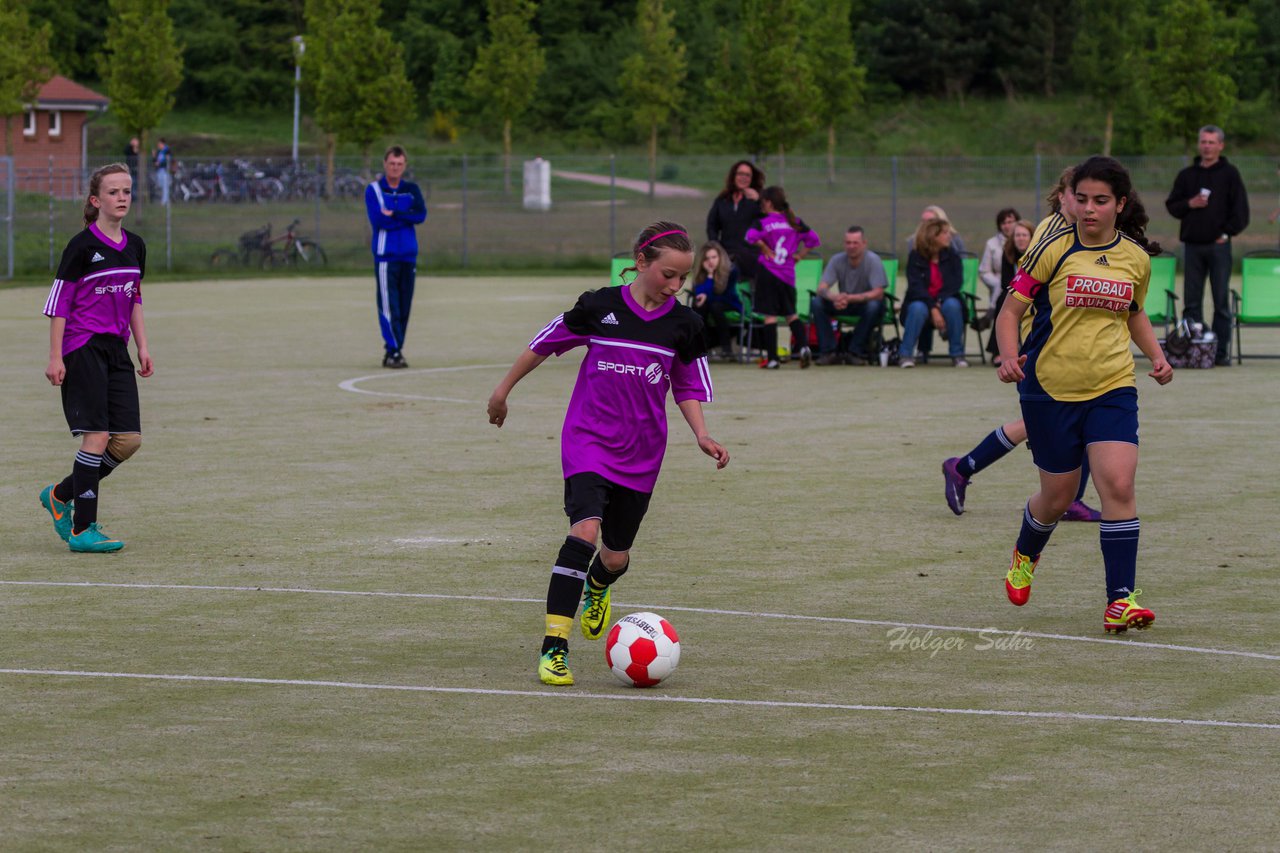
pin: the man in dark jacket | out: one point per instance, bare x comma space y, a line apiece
1210, 199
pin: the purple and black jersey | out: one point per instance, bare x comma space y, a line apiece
616, 425
98, 283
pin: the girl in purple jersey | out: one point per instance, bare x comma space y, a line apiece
640, 343
783, 239
94, 304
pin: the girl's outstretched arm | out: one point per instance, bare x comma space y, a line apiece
692, 411
524, 365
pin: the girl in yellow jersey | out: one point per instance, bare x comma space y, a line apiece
1075, 376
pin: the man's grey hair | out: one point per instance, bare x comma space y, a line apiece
1213, 128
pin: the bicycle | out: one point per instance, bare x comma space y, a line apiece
296, 251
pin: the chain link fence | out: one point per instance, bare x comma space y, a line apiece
477, 220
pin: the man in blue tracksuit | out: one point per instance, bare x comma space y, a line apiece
394, 206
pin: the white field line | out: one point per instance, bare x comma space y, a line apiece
637, 696
659, 608
351, 384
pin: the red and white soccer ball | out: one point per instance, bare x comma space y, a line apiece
642, 649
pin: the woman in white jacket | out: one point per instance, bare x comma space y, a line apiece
989, 266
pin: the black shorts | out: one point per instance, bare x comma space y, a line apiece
619, 509
774, 297
100, 392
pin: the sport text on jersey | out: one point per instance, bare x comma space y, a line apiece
652, 373
1090, 292
126, 288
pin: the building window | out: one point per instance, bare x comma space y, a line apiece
55, 123
29, 123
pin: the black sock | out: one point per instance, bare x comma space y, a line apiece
769, 341
599, 577
801, 334
85, 475
565, 589
63, 491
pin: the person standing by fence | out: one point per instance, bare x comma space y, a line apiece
1210, 200
394, 206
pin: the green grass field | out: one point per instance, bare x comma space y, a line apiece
322, 633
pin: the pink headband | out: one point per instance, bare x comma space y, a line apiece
659, 236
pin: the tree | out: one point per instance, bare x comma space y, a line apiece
25, 63
778, 81
237, 53
1109, 54
840, 80
1190, 85
357, 75
142, 67
507, 69
653, 76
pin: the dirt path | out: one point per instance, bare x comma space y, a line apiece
660, 190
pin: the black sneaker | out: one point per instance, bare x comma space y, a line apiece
1222, 361
395, 362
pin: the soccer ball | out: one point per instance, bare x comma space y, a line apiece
642, 649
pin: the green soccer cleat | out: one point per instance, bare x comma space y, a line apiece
92, 540
595, 612
59, 511
553, 667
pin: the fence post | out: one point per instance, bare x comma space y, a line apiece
319, 192
464, 211
8, 218
613, 204
1039, 190
51, 266
893, 209
168, 233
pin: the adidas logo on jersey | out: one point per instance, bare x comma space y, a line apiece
610, 320
1102, 261
96, 257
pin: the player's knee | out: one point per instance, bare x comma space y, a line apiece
615, 561
93, 442
124, 445
588, 529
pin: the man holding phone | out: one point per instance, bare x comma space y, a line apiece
1210, 200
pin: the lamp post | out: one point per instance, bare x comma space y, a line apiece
299, 47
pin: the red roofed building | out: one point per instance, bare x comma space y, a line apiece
55, 126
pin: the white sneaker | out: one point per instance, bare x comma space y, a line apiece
806, 357
959, 362
907, 362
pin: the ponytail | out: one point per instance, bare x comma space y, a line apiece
777, 198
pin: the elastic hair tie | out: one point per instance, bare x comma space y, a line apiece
659, 236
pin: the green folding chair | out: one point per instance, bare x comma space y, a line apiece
808, 276
1162, 297
1257, 303
890, 315
969, 296
620, 263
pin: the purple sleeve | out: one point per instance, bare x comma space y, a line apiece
753, 234
556, 339
691, 381
58, 304
810, 238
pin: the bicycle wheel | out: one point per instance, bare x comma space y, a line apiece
308, 253
224, 258
273, 258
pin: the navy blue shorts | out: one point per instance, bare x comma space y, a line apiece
620, 510
1059, 432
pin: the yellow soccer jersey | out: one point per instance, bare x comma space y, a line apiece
1050, 227
1078, 346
